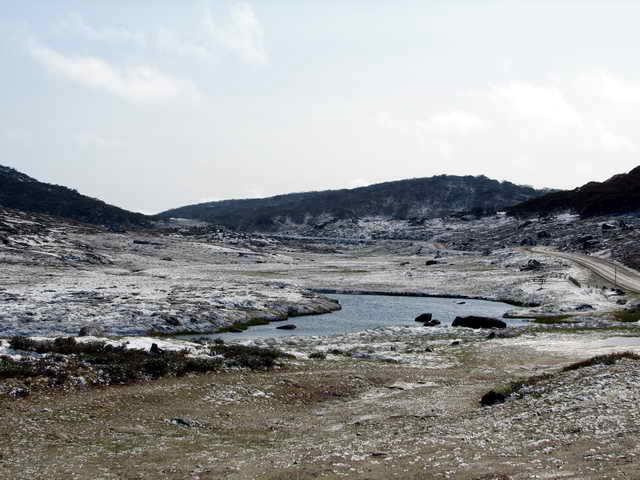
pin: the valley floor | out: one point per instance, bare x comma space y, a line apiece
400, 402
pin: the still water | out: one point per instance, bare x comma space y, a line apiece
362, 312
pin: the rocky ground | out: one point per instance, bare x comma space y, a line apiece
397, 402
349, 417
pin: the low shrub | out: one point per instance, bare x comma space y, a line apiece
609, 359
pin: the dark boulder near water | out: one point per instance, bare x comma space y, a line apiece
478, 322
424, 317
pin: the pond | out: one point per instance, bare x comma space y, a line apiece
363, 312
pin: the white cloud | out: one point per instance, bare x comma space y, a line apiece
544, 107
76, 23
137, 84
242, 33
92, 141
454, 122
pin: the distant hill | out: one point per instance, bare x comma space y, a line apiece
620, 194
21, 192
417, 198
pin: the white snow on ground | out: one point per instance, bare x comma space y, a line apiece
579, 344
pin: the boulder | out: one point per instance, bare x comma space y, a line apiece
424, 317
287, 327
432, 323
531, 265
428, 263
91, 331
492, 397
585, 307
478, 322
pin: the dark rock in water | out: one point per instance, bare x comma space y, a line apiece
286, 327
478, 322
491, 335
432, 323
424, 317
543, 234
428, 263
460, 303
155, 349
167, 259
491, 398
455, 343
584, 307
606, 226
621, 301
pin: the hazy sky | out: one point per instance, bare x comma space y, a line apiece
152, 105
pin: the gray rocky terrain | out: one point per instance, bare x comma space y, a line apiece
394, 402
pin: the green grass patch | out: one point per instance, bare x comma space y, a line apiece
627, 316
554, 320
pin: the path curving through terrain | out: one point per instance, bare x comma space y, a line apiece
624, 277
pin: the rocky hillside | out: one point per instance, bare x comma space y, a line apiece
21, 192
620, 194
414, 199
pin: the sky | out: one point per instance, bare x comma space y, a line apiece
154, 105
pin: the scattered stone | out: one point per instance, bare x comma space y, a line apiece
543, 234
492, 397
182, 422
19, 392
155, 349
584, 307
478, 322
167, 259
318, 355
531, 265
428, 263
